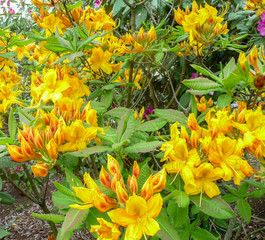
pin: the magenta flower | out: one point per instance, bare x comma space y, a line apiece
261, 27
30, 11
147, 112
97, 3
193, 75
8, 3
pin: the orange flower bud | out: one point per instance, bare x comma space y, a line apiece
192, 122
253, 59
152, 34
159, 180
184, 134
132, 184
38, 140
45, 118
121, 193
104, 203
27, 150
59, 136
52, 149
16, 153
113, 183
147, 189
138, 47
105, 178
48, 134
141, 34
40, 170
194, 139
113, 166
242, 61
136, 170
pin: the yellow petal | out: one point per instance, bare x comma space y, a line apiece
154, 205
211, 189
136, 206
151, 227
133, 232
121, 217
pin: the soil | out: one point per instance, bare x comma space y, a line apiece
26, 226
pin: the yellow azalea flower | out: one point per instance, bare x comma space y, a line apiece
77, 136
100, 60
136, 79
106, 230
227, 154
51, 22
138, 217
21, 52
92, 196
203, 104
204, 175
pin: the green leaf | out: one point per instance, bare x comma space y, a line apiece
171, 115
8, 54
143, 147
6, 198
232, 190
214, 207
3, 233
228, 69
206, 73
12, 125
234, 78
167, 231
91, 150
201, 84
117, 112
76, 5
49, 217
35, 36
8, 162
243, 188
224, 100
107, 98
159, 56
118, 5
55, 48
141, 15
70, 162
1, 183
84, 43
178, 215
6, 140
144, 175
99, 107
182, 199
63, 189
202, 234
244, 209
230, 198
22, 43
73, 180
62, 201
73, 220
153, 125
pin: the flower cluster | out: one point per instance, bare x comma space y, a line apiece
135, 209
202, 24
60, 130
215, 151
255, 5
261, 27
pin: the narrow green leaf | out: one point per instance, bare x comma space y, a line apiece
35, 36
6, 198
62, 201
73, 180
49, 217
201, 84
91, 150
63, 189
244, 209
143, 147
12, 125
3, 233
171, 115
215, 207
8, 54
76, 5
153, 125
167, 231
117, 112
202, 234
206, 73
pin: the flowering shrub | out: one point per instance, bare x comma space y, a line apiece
102, 95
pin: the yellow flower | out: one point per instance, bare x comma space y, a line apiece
100, 60
205, 174
138, 216
203, 104
77, 136
106, 230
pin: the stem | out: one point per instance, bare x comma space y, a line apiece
17, 187
229, 231
255, 99
94, 165
129, 98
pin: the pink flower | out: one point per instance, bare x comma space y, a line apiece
97, 3
30, 11
8, 3
261, 27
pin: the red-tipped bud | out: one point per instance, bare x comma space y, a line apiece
194, 139
40, 170
16, 153
113, 166
52, 149
132, 185
141, 34
121, 193
138, 47
147, 189
38, 140
159, 180
136, 170
152, 34
48, 134
105, 178
45, 118
59, 136
27, 150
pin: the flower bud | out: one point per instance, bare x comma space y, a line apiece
141, 34
113, 166
59, 136
194, 139
159, 180
152, 34
138, 47
121, 193
132, 184
105, 178
40, 170
136, 170
147, 189
52, 149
